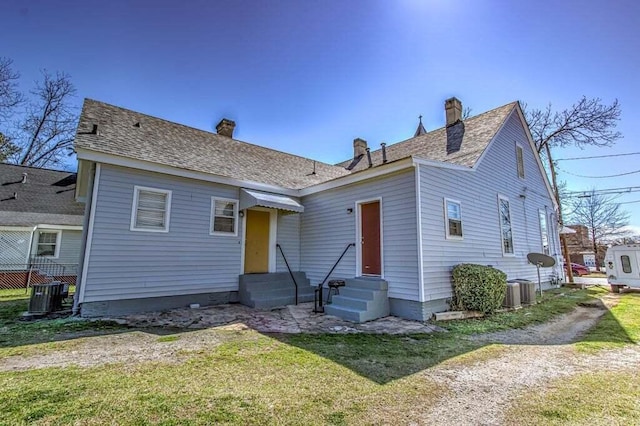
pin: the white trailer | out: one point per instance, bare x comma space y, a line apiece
623, 266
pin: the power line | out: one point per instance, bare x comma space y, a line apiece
597, 156
630, 202
600, 177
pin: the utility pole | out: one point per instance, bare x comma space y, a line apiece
563, 239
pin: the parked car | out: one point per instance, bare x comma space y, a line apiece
578, 270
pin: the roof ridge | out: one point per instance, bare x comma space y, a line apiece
430, 132
37, 168
210, 132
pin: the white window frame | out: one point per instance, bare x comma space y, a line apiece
520, 148
236, 204
56, 253
134, 209
446, 219
504, 198
542, 214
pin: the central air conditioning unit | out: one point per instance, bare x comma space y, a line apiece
527, 292
512, 298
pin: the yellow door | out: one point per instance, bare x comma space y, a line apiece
256, 248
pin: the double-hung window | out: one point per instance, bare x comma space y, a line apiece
224, 216
151, 209
48, 244
506, 233
544, 231
453, 219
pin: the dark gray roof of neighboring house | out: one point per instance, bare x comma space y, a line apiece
47, 197
471, 136
134, 135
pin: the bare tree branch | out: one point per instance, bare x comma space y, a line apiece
587, 122
10, 96
603, 217
48, 127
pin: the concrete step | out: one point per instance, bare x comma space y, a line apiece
368, 283
286, 283
362, 299
351, 302
279, 291
356, 293
349, 314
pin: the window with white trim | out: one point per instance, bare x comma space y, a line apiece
453, 219
48, 244
544, 231
504, 210
151, 209
520, 160
224, 216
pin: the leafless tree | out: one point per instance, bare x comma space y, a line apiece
601, 215
10, 96
45, 133
588, 122
466, 112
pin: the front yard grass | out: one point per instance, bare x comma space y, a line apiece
253, 378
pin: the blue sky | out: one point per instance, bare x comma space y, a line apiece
307, 77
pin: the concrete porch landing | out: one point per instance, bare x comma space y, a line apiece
289, 319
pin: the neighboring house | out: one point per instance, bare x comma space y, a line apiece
40, 225
179, 215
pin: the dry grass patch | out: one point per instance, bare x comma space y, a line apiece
600, 398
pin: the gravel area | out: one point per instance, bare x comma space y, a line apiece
482, 391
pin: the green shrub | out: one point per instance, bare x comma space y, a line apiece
478, 288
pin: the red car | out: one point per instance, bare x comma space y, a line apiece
578, 270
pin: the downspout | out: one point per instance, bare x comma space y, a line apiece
85, 232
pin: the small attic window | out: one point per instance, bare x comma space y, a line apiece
520, 160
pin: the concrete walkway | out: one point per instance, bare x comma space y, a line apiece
289, 319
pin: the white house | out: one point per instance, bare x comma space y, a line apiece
40, 225
178, 215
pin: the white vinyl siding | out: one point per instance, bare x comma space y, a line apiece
224, 217
48, 243
520, 160
289, 239
506, 230
477, 192
128, 265
329, 222
453, 219
151, 209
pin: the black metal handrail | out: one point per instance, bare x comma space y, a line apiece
318, 300
295, 283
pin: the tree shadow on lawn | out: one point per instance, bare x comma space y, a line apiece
383, 358
380, 358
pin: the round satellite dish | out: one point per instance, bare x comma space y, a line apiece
541, 260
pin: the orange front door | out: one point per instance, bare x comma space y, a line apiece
256, 246
370, 238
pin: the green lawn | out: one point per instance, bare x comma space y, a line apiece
253, 378
18, 337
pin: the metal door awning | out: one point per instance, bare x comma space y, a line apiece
251, 198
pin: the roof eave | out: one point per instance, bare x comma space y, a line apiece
116, 160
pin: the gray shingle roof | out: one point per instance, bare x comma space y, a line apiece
471, 136
163, 142
134, 135
47, 197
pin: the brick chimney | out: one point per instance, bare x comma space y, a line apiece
359, 147
453, 110
225, 127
